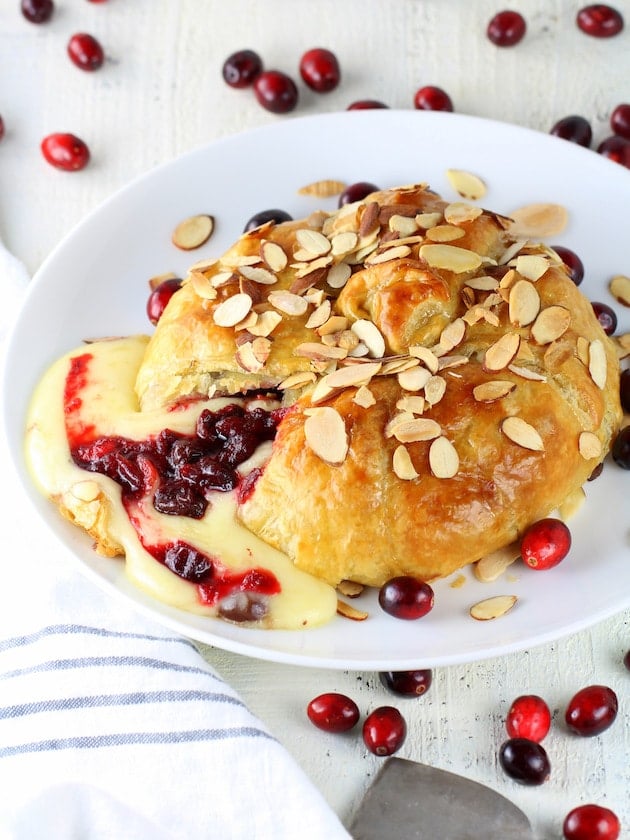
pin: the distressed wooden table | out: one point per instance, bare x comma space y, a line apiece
161, 94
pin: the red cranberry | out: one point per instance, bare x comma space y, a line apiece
506, 28
626, 660
621, 449
320, 70
572, 262
264, 216
620, 120
591, 822
333, 712
366, 105
160, 296
529, 717
616, 148
576, 129
599, 20
545, 543
37, 11
431, 98
65, 151
406, 597
624, 390
1, 128
85, 51
356, 192
384, 731
407, 683
525, 761
241, 68
276, 91
592, 710
188, 563
606, 317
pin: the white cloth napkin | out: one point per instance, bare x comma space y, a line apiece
112, 726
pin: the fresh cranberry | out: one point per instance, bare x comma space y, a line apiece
384, 731
431, 98
545, 543
366, 105
37, 11
407, 683
616, 148
406, 597
606, 317
320, 70
621, 449
525, 761
592, 710
620, 120
506, 28
356, 192
626, 660
572, 262
1, 128
160, 296
276, 216
333, 712
179, 498
591, 822
576, 129
85, 51
529, 717
241, 68
624, 390
276, 91
65, 151
599, 20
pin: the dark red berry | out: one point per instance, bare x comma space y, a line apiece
529, 717
384, 731
592, 710
356, 192
591, 822
65, 151
407, 683
333, 712
506, 28
276, 91
572, 262
366, 105
320, 70
525, 761
621, 449
406, 597
576, 129
626, 660
624, 390
606, 316
431, 98
241, 68
160, 296
273, 215
545, 543
1, 128
37, 11
85, 51
599, 20
616, 148
620, 120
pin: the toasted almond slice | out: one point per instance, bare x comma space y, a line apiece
483, 283
266, 322
222, 278
434, 390
426, 356
370, 335
350, 588
491, 608
334, 324
202, 285
297, 380
532, 266
247, 358
403, 225
493, 565
551, 323
539, 220
85, 491
443, 458
238, 260
338, 275
288, 302
413, 405
459, 212
418, 429
348, 340
524, 303
261, 347
597, 366
522, 433
396, 420
313, 242
527, 373
274, 256
494, 390
414, 379
467, 184
158, 279
452, 334
258, 274
325, 188
193, 232
445, 233
319, 352
619, 288
348, 611
354, 374
428, 220
402, 464
325, 433
364, 397
451, 361
589, 446
308, 268
450, 258
511, 251
232, 310
394, 253
320, 315
344, 243
500, 354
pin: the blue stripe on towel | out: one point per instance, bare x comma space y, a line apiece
72, 629
108, 661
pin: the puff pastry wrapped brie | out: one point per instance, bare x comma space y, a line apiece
446, 383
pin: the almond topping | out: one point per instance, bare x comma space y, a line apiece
274, 256
434, 390
297, 380
370, 335
428, 220
247, 358
288, 303
314, 242
619, 288
459, 212
413, 405
493, 565
325, 188
597, 363
402, 465
319, 352
354, 374
320, 315
491, 391
348, 611
483, 283
531, 266
426, 356
364, 397
521, 433
527, 373
202, 285
394, 253
266, 323
450, 258
350, 588
524, 303
550, 324
232, 310
258, 275
420, 428
499, 355
403, 225
443, 458
325, 434
193, 232
536, 221
338, 275
414, 379
334, 324
491, 608
589, 445
467, 184
445, 233
343, 243
453, 334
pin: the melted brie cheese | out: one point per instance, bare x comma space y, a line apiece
109, 404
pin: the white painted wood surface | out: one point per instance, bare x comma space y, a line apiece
161, 94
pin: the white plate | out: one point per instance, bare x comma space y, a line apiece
95, 284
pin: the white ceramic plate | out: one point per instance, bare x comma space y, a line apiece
95, 283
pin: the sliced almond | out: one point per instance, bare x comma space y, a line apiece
483, 283
597, 366
288, 302
467, 184
450, 258
418, 429
338, 275
539, 220
394, 253
320, 315
193, 232
619, 288
335, 324
344, 243
247, 359
434, 390
348, 611
527, 373
325, 188
589, 446
202, 285
222, 278
428, 220
524, 303
414, 379
274, 256
297, 380
350, 588
493, 565
522, 433
551, 323
532, 266
158, 279
364, 397
313, 242
355, 374
371, 336
257, 274
491, 608
494, 390
443, 458
403, 225
458, 212
445, 233
501, 353
319, 352
426, 356
325, 433
452, 334
232, 310
266, 322
402, 464
412, 404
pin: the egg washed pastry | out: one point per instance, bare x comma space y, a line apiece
447, 384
